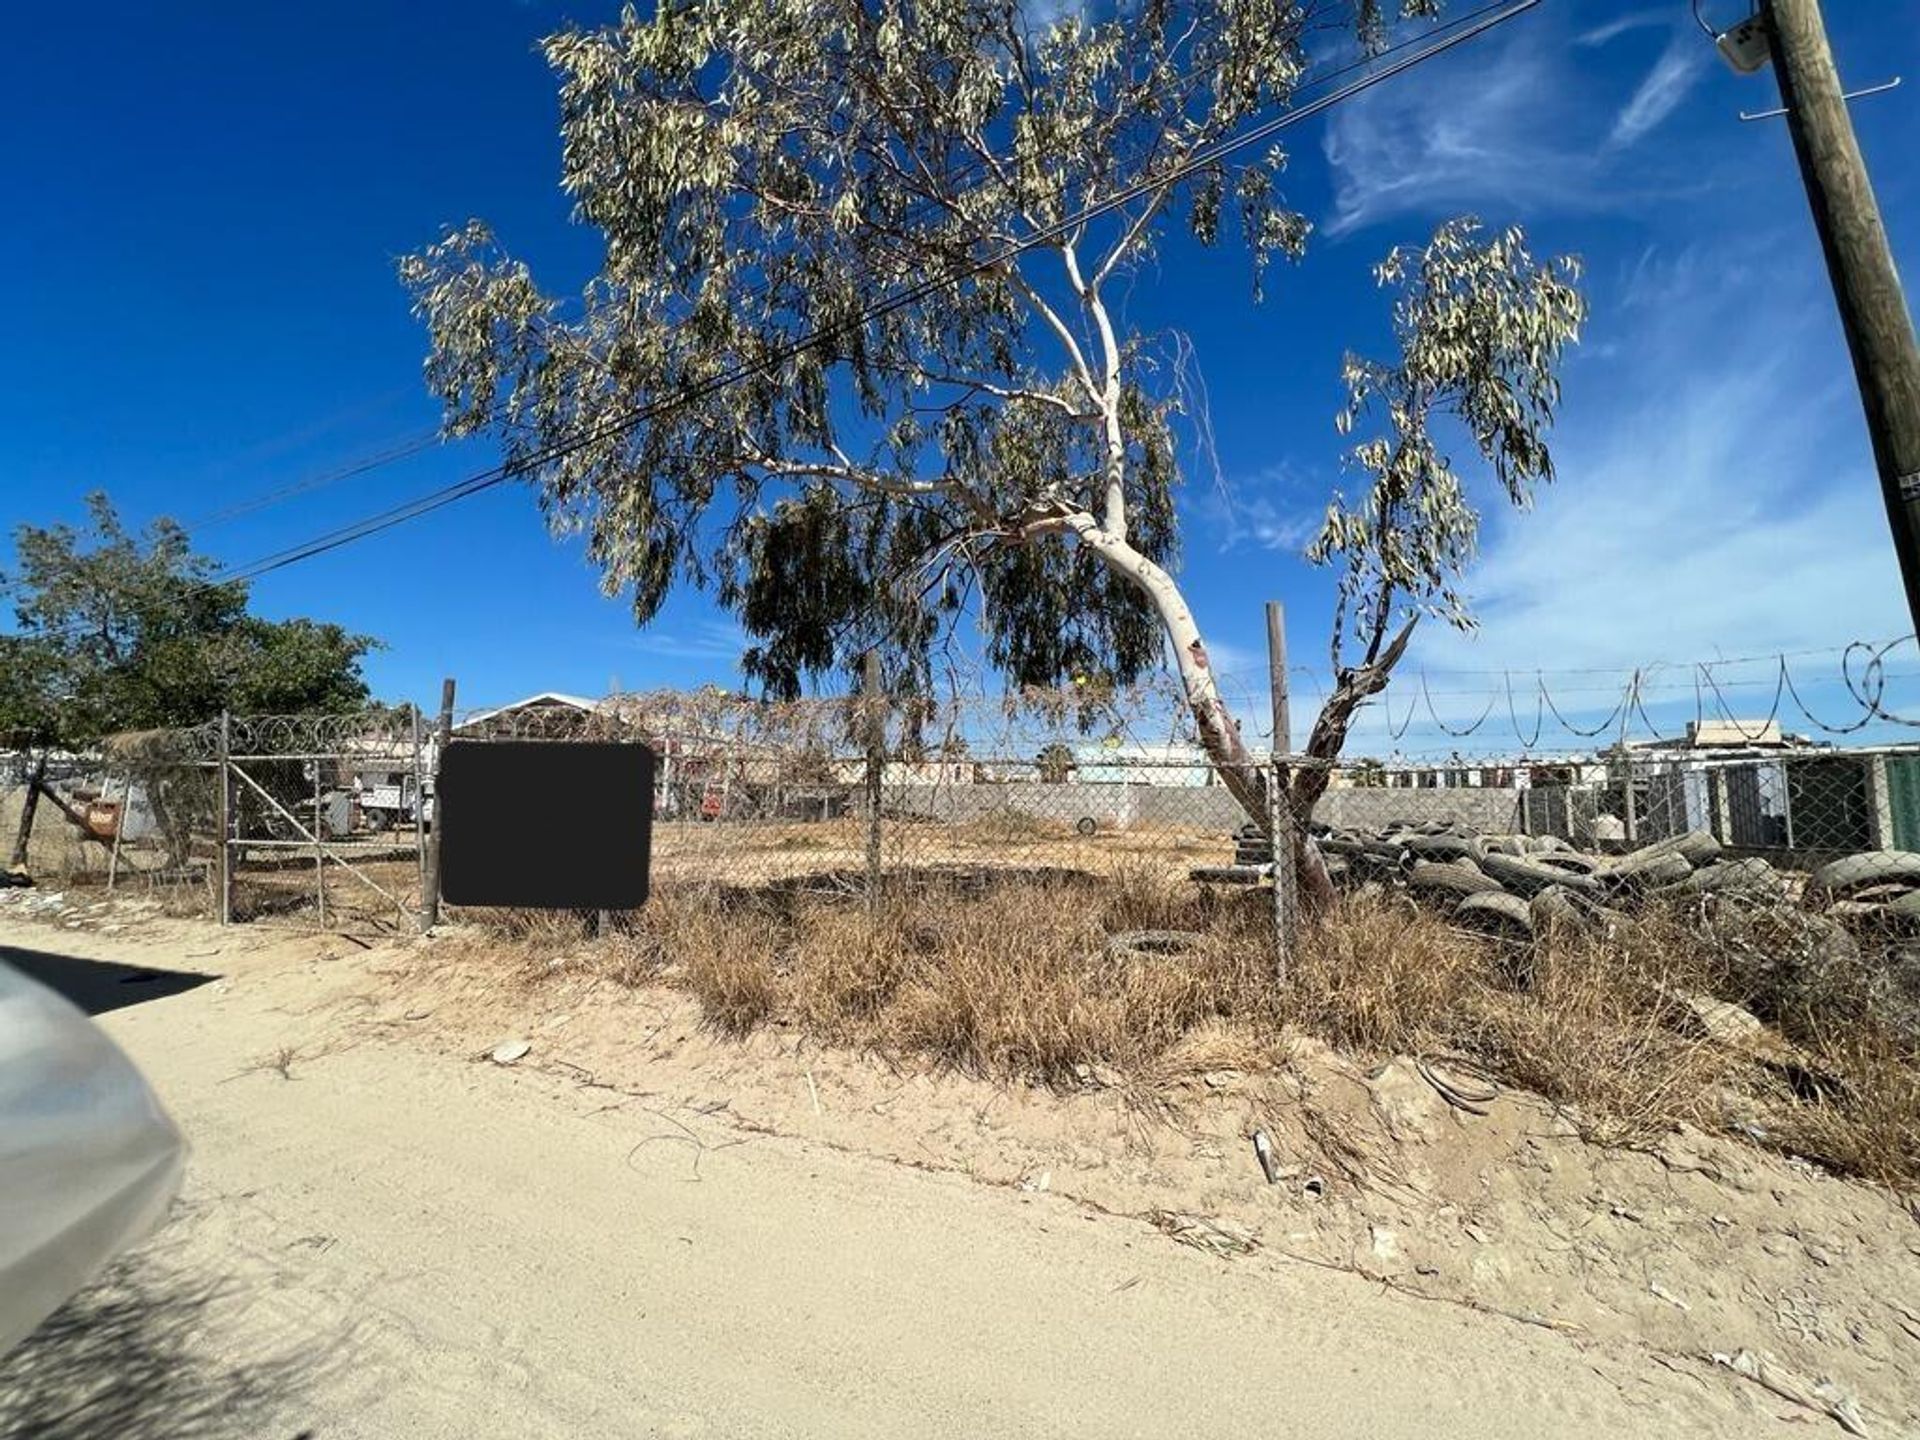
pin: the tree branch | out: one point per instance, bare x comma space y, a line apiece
1059, 327
1010, 393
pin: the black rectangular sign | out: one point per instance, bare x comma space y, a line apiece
545, 824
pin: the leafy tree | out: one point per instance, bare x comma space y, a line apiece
1367, 773
1006, 448
1480, 328
1055, 763
118, 632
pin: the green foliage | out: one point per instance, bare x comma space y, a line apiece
122, 632
760, 169
1055, 763
1367, 774
1480, 327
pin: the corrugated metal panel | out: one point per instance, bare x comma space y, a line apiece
1903, 799
1756, 805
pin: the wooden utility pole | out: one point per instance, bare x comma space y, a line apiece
443, 733
1866, 287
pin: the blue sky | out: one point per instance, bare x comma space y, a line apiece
207, 202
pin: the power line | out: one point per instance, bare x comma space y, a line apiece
910, 295
426, 440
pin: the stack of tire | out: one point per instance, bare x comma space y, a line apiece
1878, 887
1514, 887
1251, 846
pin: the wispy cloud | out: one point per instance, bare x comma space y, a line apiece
1622, 25
1274, 508
1718, 498
1680, 65
1516, 123
704, 640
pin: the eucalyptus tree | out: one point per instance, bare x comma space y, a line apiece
762, 172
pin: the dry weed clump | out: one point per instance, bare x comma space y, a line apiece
1011, 978
1018, 975
1593, 1022
1855, 1106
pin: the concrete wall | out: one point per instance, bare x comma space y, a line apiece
1493, 811
1110, 806
1206, 808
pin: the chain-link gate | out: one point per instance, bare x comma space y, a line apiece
322, 820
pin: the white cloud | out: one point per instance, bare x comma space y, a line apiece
1680, 65
704, 640
1275, 508
1515, 122
1715, 497
1614, 29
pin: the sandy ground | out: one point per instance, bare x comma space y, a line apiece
639, 1230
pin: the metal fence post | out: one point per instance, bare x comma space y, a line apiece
419, 806
119, 828
319, 849
875, 718
443, 733
226, 819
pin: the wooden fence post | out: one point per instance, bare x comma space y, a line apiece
874, 716
443, 733
1279, 805
29, 805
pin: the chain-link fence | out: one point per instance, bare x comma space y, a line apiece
856, 791
317, 821
325, 818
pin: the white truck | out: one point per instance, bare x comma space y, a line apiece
388, 798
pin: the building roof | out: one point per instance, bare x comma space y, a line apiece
545, 700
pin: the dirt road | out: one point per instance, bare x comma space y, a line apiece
380, 1241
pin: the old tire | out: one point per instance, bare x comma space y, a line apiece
1442, 847
1570, 862
1644, 870
1903, 914
1449, 881
1838, 879
1496, 914
1086, 825
1556, 909
1696, 847
1753, 877
1527, 876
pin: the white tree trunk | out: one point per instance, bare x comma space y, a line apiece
1218, 731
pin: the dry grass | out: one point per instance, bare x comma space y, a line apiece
1588, 1022
1016, 977
1012, 826
1856, 1107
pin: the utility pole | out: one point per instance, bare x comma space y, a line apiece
1866, 287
